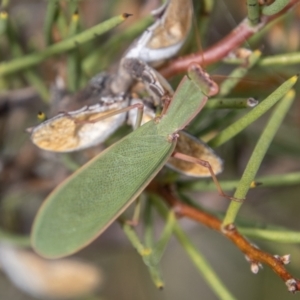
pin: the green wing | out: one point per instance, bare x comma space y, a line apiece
83, 206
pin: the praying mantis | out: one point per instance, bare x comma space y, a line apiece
81, 208
92, 124
136, 159
84, 205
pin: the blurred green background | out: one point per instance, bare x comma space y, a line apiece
29, 174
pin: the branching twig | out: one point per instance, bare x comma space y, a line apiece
222, 48
254, 255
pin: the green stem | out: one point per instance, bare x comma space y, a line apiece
134, 239
145, 252
4, 3
38, 83
161, 245
238, 73
279, 236
51, 15
274, 60
275, 7
230, 103
199, 261
68, 44
73, 59
281, 59
62, 23
17, 240
148, 224
31, 76
3, 21
253, 115
253, 10
265, 181
258, 155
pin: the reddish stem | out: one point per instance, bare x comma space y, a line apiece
254, 254
222, 48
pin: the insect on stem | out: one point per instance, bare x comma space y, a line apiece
85, 204
110, 182
207, 165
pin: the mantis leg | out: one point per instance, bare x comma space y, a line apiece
207, 165
135, 219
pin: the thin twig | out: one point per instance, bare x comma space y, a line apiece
222, 48
253, 254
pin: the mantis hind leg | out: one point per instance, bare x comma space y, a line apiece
135, 219
207, 165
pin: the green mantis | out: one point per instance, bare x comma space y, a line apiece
83, 206
92, 198
106, 94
